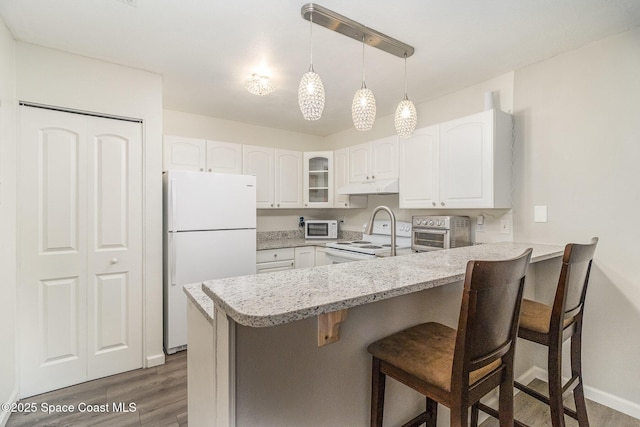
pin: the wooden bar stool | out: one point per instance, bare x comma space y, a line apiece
552, 325
457, 368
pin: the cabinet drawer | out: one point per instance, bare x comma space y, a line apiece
269, 255
270, 267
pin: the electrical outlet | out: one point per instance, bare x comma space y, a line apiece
505, 226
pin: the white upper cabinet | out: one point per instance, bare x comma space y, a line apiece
224, 157
260, 161
374, 160
187, 154
473, 167
288, 179
419, 169
384, 158
341, 178
278, 176
318, 178
194, 154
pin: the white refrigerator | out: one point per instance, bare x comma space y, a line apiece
209, 233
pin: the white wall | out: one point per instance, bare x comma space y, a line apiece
578, 129
8, 383
452, 106
198, 126
63, 79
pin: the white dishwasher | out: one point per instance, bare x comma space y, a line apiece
270, 260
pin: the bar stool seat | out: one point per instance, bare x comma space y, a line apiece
535, 316
426, 352
458, 367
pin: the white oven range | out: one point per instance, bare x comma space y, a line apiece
371, 246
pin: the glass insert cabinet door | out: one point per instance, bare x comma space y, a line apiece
318, 179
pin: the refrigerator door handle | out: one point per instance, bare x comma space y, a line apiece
173, 204
172, 261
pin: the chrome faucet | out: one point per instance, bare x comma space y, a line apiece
369, 228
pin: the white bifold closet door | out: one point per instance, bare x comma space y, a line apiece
80, 257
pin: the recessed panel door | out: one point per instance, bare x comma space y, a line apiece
52, 257
80, 258
114, 256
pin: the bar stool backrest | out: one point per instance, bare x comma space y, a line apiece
572, 284
488, 321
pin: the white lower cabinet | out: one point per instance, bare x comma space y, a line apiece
270, 260
305, 257
462, 163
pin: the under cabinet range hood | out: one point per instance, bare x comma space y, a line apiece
383, 186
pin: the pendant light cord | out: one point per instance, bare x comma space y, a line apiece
311, 42
405, 74
363, 83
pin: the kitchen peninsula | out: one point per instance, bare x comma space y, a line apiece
256, 343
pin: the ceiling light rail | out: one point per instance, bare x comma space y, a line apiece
350, 28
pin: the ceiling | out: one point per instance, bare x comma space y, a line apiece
206, 49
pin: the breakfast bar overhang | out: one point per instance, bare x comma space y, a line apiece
256, 352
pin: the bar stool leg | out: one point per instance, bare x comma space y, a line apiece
459, 415
474, 415
555, 384
506, 399
432, 412
576, 370
378, 380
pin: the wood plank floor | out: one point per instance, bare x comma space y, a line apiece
536, 414
160, 395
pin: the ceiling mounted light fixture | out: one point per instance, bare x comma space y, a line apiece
311, 89
363, 108
406, 116
260, 84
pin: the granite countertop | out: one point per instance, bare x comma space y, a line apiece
289, 243
200, 300
295, 239
282, 297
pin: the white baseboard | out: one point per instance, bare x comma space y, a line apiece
4, 415
602, 397
154, 360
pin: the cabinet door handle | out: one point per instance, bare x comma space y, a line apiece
114, 260
441, 203
271, 205
345, 205
278, 204
209, 169
201, 169
434, 203
373, 177
275, 255
367, 177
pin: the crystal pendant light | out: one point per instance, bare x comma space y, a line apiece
311, 89
406, 117
363, 108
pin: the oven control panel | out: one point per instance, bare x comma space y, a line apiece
432, 221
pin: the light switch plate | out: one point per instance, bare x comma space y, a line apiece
539, 214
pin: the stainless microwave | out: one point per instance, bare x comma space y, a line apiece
321, 229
